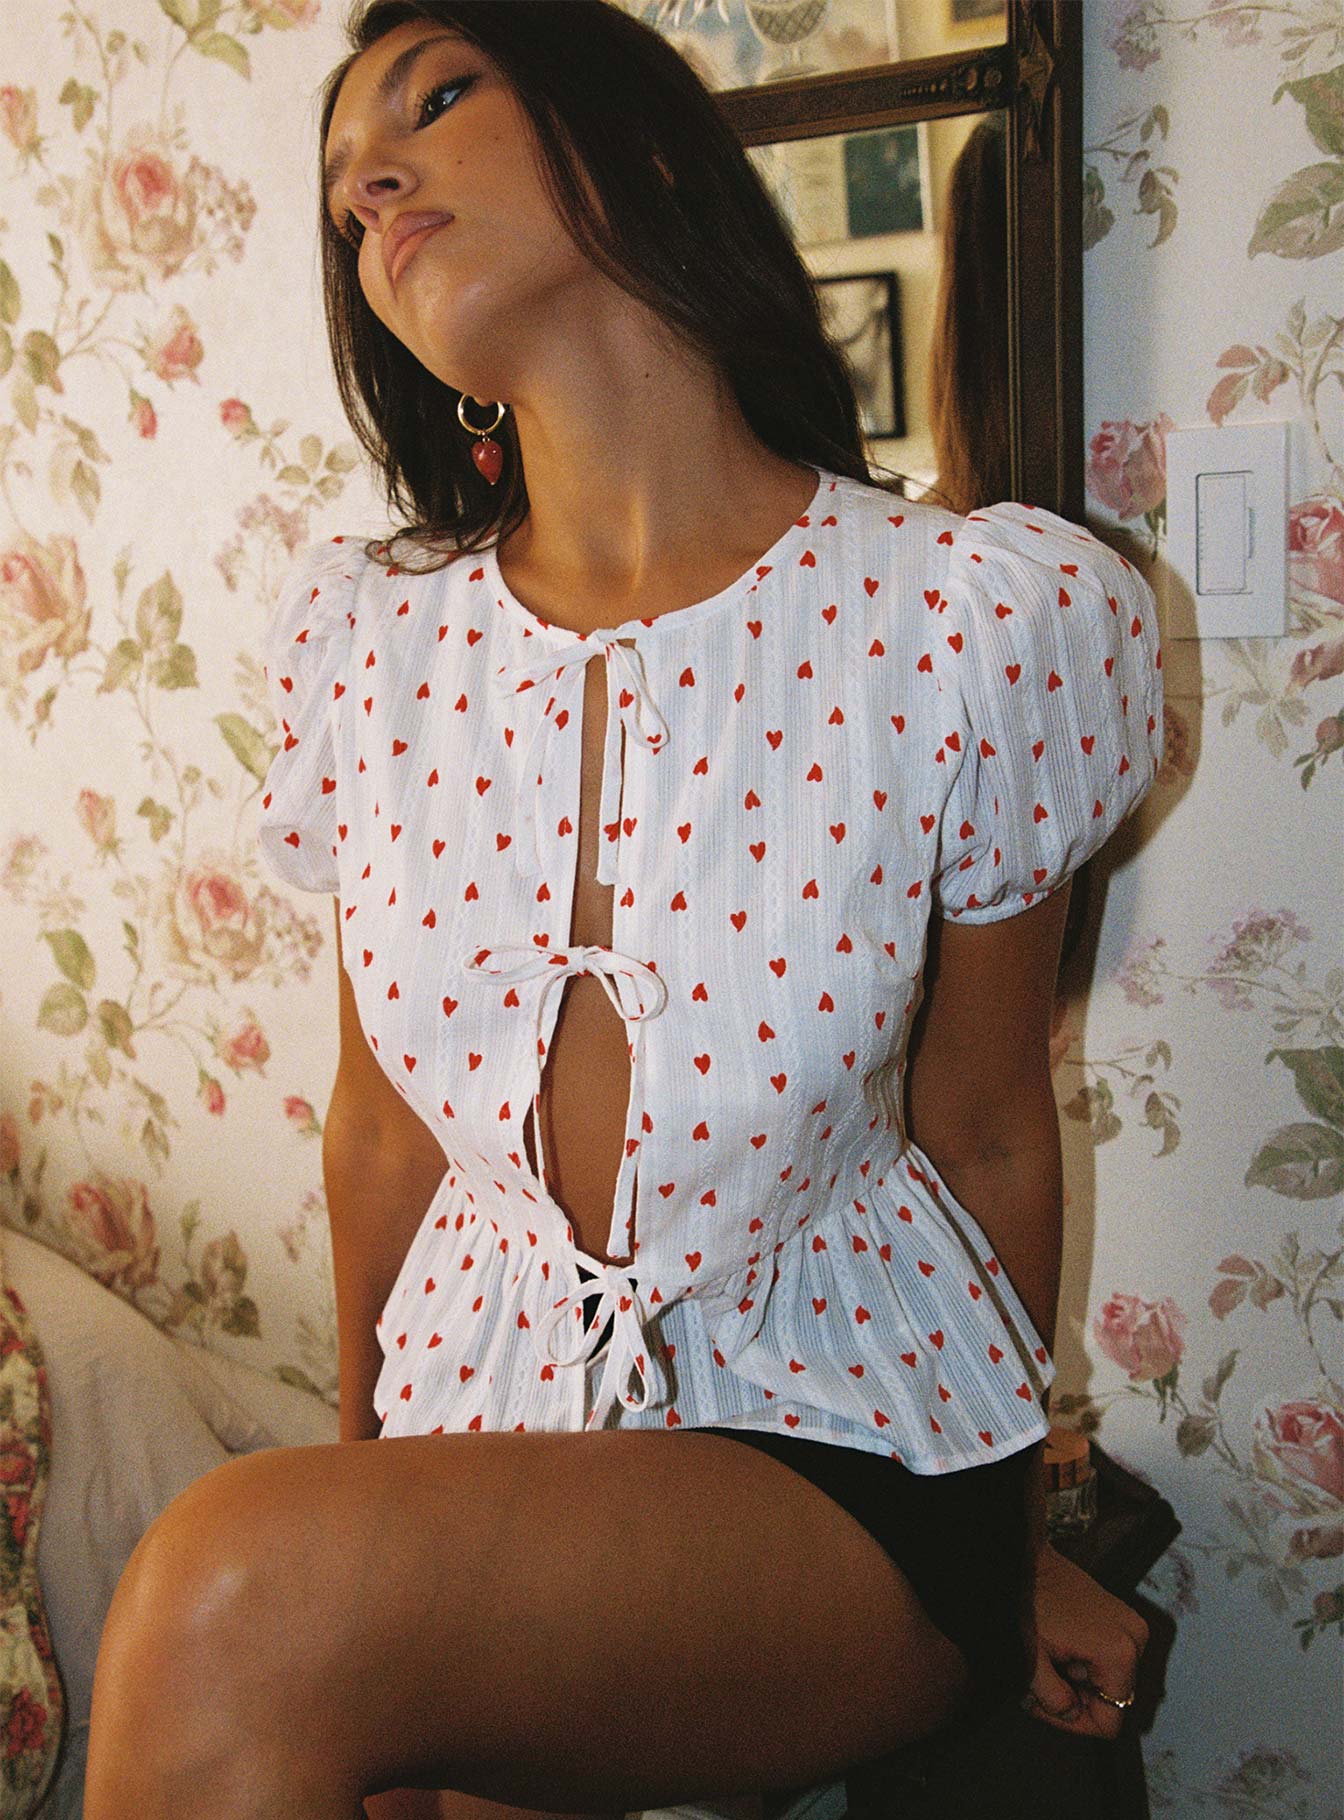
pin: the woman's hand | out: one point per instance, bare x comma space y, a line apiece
1083, 1639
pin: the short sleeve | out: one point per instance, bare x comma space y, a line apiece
305, 652
1049, 661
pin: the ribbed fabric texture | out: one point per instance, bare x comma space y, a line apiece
896, 712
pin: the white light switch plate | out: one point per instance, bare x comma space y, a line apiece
1226, 571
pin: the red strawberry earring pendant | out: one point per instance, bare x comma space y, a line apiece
485, 452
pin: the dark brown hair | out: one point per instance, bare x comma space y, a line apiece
968, 378
708, 252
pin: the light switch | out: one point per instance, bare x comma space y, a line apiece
1226, 574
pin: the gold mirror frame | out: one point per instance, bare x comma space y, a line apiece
1036, 77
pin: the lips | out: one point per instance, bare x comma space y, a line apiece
405, 235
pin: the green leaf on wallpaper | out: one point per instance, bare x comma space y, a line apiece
1319, 1077
178, 13
9, 295
1304, 1162
123, 666
342, 460
1194, 1434
87, 488
42, 357
97, 1061
1304, 217
246, 744
1321, 99
62, 1011
310, 451
6, 351
158, 613
227, 49
174, 669
1213, 1384
24, 394
72, 955
80, 98
157, 817
241, 1318
293, 476
115, 1023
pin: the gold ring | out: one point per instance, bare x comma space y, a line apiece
1110, 1699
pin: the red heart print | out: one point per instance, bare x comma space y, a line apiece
995, 1353
738, 920
702, 1062
778, 966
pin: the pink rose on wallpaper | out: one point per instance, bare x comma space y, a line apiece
143, 415
26, 1726
1316, 546
9, 1143
1330, 733
137, 213
97, 815
1317, 664
113, 1221
177, 352
299, 1112
1146, 1339
1127, 466
216, 920
235, 416
246, 1048
1307, 1440
211, 1096
282, 13
18, 117
43, 610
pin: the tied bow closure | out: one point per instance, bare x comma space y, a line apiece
618, 1296
629, 705
637, 992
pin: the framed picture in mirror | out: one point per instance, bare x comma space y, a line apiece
862, 313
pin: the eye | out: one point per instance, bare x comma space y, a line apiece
462, 84
352, 229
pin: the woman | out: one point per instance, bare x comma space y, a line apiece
721, 846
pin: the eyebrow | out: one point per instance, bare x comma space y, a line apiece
391, 79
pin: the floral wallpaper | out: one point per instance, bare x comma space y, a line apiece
170, 434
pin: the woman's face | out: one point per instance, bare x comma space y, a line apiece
449, 137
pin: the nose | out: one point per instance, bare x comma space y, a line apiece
371, 185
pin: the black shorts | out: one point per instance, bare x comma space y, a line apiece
959, 1537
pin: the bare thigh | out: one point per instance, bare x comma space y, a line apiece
564, 1622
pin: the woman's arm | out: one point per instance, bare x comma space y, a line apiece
382, 1166
980, 1101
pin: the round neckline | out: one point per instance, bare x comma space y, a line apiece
748, 581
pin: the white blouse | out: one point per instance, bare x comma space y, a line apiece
895, 709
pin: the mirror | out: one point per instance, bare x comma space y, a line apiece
936, 198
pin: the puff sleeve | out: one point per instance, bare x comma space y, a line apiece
1050, 667
305, 653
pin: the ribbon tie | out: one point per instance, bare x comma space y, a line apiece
635, 990
629, 705
618, 1296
